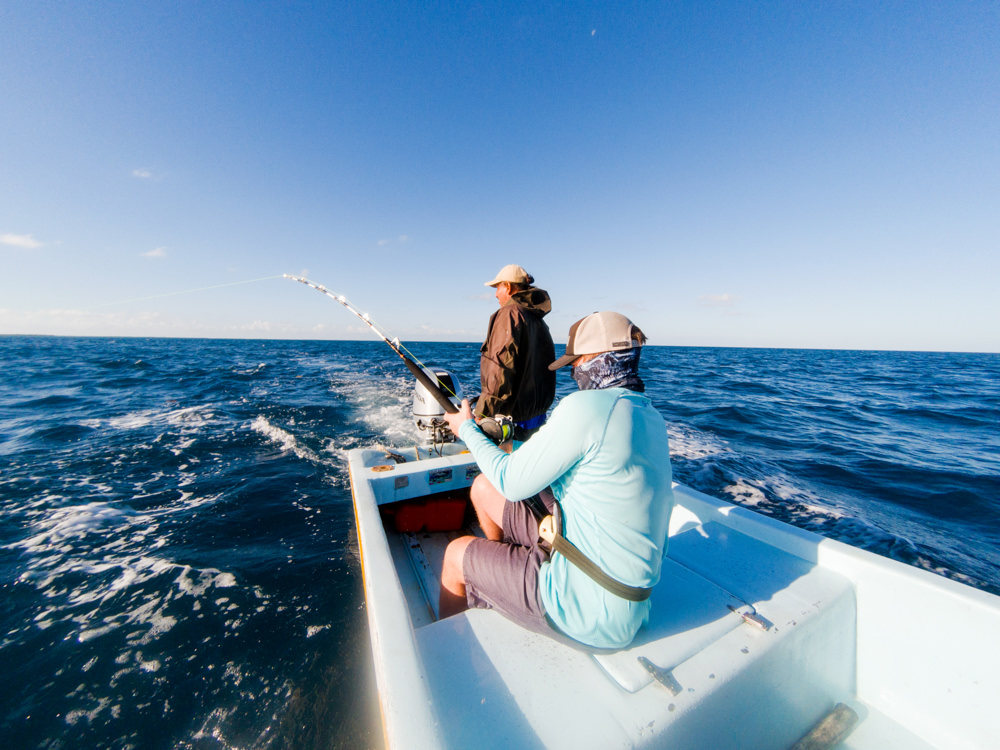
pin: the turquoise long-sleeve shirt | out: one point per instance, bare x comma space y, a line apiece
606, 457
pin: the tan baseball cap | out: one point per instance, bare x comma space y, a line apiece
513, 274
600, 332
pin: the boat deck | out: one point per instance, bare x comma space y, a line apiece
752, 640
798, 659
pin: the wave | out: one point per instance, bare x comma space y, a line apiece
125, 364
285, 440
63, 433
249, 372
967, 416
192, 416
731, 415
80, 557
53, 401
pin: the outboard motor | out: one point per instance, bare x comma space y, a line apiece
428, 413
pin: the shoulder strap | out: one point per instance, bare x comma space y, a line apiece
547, 531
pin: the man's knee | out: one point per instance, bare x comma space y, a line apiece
487, 499
481, 489
453, 573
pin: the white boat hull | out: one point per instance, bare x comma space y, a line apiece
910, 653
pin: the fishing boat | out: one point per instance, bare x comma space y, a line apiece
761, 635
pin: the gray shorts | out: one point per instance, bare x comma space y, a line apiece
504, 575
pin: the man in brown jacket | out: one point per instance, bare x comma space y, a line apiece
514, 366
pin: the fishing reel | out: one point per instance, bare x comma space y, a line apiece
499, 429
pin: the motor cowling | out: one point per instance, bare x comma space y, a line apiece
428, 414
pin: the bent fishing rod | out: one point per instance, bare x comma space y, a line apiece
436, 388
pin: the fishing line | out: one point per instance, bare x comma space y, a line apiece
186, 291
436, 388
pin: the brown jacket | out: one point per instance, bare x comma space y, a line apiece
514, 366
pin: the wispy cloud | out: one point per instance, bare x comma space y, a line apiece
401, 240
26, 241
142, 174
718, 300
159, 252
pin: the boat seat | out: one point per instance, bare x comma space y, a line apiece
688, 613
753, 585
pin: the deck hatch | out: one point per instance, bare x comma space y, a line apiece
689, 613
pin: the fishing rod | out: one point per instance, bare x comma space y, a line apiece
435, 387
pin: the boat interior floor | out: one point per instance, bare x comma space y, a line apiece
742, 635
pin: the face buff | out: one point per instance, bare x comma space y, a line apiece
610, 370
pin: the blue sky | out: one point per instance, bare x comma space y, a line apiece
822, 175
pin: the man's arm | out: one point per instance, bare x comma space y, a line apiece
539, 462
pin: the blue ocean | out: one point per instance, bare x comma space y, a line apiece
178, 554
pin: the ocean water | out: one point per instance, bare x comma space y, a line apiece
178, 556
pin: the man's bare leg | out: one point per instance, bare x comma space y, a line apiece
452, 598
489, 504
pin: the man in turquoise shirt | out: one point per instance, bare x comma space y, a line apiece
601, 464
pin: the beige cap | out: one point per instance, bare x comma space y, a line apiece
513, 274
600, 332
